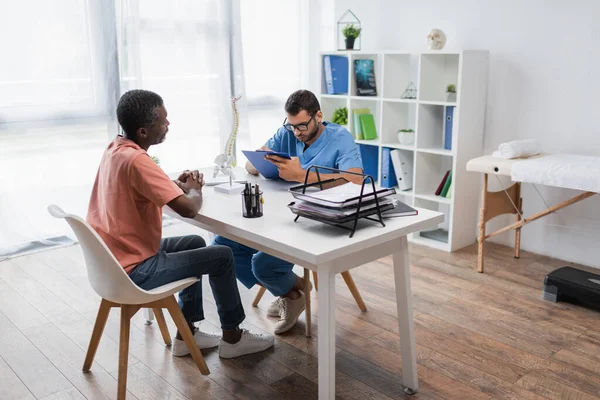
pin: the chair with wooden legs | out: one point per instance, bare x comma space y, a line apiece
111, 283
347, 278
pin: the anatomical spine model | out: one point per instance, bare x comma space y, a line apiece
226, 160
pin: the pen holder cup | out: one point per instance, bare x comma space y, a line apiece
252, 205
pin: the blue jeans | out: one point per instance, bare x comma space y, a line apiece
187, 256
253, 266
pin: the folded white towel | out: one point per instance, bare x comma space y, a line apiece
518, 148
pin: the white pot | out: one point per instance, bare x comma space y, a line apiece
406, 138
450, 97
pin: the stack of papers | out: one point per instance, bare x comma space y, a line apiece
344, 195
340, 204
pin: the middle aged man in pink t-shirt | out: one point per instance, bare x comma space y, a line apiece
126, 210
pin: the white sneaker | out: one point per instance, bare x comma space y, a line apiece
290, 311
248, 343
204, 340
274, 308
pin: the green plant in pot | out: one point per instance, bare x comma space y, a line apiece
340, 116
451, 92
351, 33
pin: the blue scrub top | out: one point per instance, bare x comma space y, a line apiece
335, 148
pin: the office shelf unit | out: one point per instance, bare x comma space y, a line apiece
430, 72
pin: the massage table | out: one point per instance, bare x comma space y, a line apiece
568, 171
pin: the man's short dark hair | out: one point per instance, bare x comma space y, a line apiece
137, 109
302, 100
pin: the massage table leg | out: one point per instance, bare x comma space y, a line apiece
494, 204
518, 230
482, 222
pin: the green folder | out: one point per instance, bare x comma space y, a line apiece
449, 194
447, 185
358, 133
368, 126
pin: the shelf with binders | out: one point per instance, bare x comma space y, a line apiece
436, 128
365, 75
364, 121
433, 177
437, 71
436, 236
399, 71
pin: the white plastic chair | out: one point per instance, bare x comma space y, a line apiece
111, 282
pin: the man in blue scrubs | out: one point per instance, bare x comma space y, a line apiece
309, 141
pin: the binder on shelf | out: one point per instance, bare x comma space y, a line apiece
336, 74
447, 185
367, 124
337, 193
370, 159
388, 175
402, 162
358, 133
441, 186
448, 127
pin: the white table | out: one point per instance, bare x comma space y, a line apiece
326, 249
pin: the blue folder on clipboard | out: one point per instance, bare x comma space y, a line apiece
264, 167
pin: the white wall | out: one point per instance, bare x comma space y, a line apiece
545, 62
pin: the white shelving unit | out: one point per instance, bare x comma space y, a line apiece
430, 72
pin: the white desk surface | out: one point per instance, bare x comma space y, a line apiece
305, 241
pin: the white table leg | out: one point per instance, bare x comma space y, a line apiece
149, 314
405, 318
326, 334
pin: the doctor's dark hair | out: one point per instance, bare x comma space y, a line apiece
137, 109
302, 100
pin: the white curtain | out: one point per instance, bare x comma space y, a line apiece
185, 51
70, 60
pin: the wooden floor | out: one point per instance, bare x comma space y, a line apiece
479, 336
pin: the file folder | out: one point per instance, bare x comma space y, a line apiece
388, 176
448, 128
402, 162
336, 74
370, 159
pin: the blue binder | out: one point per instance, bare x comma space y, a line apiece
336, 74
448, 128
369, 156
388, 175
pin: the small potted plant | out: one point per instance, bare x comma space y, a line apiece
340, 116
351, 33
451, 93
406, 137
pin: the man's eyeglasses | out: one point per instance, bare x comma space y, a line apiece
303, 127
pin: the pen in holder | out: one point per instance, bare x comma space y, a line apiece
252, 202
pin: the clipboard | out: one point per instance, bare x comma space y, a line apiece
264, 167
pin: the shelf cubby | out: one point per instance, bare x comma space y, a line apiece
396, 116
376, 69
437, 71
329, 105
438, 235
398, 72
373, 106
430, 171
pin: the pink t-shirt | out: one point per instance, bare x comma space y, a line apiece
126, 203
